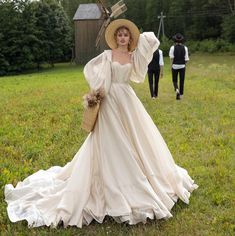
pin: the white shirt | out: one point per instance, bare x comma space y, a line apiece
171, 55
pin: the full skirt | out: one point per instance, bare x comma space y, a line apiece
124, 169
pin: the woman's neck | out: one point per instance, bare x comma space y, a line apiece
122, 49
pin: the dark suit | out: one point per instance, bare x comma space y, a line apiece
154, 71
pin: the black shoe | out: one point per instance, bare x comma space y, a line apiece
177, 95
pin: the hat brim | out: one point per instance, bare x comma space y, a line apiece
178, 38
114, 25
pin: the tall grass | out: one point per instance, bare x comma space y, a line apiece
40, 116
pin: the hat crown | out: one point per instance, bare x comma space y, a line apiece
178, 37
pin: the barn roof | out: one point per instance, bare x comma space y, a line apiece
90, 11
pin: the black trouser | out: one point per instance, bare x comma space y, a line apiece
181, 73
153, 83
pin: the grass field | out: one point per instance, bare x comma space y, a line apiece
40, 116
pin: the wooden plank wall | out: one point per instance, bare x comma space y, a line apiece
86, 32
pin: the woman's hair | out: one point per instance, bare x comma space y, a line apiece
121, 28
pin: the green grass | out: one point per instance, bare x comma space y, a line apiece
40, 116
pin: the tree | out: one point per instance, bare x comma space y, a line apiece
32, 33
16, 54
229, 28
54, 31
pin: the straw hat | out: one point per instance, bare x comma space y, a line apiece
114, 25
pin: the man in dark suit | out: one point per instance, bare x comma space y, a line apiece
179, 56
155, 70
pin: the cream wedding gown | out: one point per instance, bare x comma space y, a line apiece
123, 169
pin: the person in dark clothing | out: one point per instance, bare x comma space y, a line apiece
179, 56
155, 70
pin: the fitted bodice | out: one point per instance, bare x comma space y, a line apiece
121, 73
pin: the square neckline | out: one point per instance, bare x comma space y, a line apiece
129, 63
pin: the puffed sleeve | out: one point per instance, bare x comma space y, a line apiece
98, 72
147, 45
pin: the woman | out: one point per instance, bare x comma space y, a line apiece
124, 168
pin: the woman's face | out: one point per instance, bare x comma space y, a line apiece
123, 37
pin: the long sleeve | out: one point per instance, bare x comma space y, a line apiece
161, 61
186, 54
147, 45
171, 52
98, 72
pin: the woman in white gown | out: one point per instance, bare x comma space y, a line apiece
124, 168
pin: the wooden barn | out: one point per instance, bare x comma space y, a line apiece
88, 20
